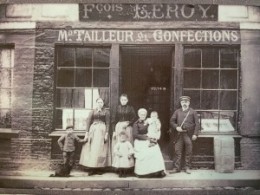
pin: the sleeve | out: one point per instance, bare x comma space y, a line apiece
158, 133
132, 116
60, 140
115, 119
107, 120
173, 121
197, 125
130, 148
89, 120
136, 135
116, 149
77, 138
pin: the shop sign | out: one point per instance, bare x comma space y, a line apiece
147, 12
148, 36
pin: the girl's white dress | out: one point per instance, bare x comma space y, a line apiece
126, 151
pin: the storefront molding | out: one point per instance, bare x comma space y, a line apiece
139, 25
17, 25
250, 26
216, 2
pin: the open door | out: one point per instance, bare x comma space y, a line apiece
146, 78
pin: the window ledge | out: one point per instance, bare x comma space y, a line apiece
216, 134
8, 133
61, 132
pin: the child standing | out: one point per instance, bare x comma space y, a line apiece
124, 151
67, 146
154, 128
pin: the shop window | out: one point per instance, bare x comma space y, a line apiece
6, 85
211, 79
82, 76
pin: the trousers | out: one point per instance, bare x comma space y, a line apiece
183, 142
68, 158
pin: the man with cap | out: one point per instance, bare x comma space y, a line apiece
185, 123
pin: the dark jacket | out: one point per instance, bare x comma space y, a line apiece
191, 123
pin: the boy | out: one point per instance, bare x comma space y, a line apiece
67, 146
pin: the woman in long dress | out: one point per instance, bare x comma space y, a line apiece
95, 153
124, 119
148, 160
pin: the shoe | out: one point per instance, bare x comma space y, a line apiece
91, 173
188, 171
175, 171
162, 174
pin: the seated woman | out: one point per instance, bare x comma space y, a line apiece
149, 160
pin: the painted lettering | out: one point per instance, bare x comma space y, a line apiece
157, 11
186, 15
63, 35
169, 10
87, 8
204, 11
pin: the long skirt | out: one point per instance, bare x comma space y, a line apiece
122, 126
96, 153
148, 159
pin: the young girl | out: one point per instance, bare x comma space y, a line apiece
154, 128
123, 151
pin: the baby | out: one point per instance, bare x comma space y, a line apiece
123, 151
154, 128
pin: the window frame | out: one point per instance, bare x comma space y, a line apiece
11, 88
92, 68
180, 79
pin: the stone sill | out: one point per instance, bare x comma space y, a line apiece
8, 133
58, 133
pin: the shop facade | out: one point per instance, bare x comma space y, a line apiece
54, 64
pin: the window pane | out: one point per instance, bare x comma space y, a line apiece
78, 100
210, 58
5, 78
210, 79
88, 98
6, 58
83, 77
192, 78
209, 121
65, 78
67, 118
66, 57
81, 119
101, 78
229, 58
195, 98
5, 118
101, 57
228, 79
228, 100
64, 98
209, 100
192, 58
227, 121
5, 98
58, 119
84, 57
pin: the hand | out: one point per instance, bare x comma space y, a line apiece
114, 135
85, 139
130, 156
194, 137
106, 137
179, 129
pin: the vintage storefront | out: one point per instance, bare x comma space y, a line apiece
55, 65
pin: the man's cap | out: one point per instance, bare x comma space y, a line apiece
185, 98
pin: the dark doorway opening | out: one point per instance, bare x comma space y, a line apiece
146, 78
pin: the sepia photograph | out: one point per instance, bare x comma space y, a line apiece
130, 97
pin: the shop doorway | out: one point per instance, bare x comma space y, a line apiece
146, 78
